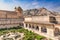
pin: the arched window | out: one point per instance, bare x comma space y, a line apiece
26, 25
37, 27
43, 29
53, 20
56, 32
21, 24
33, 26
29, 25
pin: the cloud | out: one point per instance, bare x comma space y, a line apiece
3, 5
35, 3
37, 6
10, 4
7, 5
57, 9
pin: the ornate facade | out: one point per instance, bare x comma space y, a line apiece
46, 24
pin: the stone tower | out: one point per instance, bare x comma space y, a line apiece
19, 11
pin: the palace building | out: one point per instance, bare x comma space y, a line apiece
46, 24
11, 18
40, 21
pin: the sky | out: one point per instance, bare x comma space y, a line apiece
53, 5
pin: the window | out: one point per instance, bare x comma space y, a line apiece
56, 32
29, 26
53, 20
33, 26
43, 29
26, 25
21, 24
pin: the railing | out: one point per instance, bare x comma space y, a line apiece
10, 21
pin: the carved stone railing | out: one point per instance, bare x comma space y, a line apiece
10, 21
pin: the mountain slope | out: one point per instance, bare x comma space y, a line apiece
41, 11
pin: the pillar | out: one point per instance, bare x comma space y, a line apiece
24, 25
50, 32
40, 29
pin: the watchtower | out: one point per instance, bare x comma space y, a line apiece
19, 11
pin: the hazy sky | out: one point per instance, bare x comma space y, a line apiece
30, 4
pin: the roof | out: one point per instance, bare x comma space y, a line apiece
8, 12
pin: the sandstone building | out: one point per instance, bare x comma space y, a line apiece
40, 21
46, 23
11, 18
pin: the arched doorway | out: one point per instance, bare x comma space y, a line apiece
37, 27
56, 32
44, 29
21, 24
26, 25
29, 25
32, 26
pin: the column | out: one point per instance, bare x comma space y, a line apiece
50, 32
40, 29
28, 26
24, 25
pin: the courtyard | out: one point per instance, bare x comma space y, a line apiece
19, 33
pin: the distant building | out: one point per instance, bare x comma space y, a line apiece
11, 18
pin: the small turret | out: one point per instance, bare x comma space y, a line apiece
19, 11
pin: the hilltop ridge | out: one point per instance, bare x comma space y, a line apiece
40, 11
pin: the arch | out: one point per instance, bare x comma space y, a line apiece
26, 25
37, 27
53, 20
56, 32
44, 29
29, 25
21, 24
33, 26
